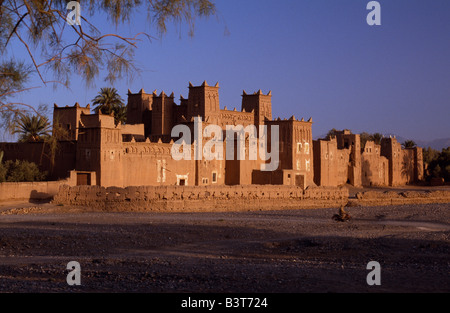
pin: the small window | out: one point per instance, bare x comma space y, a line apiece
214, 177
182, 182
307, 147
299, 147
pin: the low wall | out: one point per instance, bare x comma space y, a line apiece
200, 198
375, 198
30, 191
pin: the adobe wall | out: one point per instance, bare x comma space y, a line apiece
151, 164
375, 168
198, 199
31, 191
376, 198
331, 165
405, 165
236, 118
39, 153
296, 145
240, 172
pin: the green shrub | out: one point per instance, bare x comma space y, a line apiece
20, 171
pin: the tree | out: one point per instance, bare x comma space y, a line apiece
439, 165
364, 137
408, 144
332, 133
13, 77
109, 101
377, 137
120, 115
55, 47
429, 154
32, 128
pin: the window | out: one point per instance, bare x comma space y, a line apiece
214, 177
307, 147
205, 181
299, 147
182, 180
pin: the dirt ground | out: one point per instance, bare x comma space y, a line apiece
294, 251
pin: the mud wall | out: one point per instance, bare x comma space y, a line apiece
376, 198
30, 191
196, 199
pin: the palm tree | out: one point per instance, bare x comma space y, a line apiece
331, 134
376, 138
120, 115
106, 100
409, 144
32, 128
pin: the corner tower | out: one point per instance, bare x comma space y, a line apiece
68, 119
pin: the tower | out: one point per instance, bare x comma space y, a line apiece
68, 119
138, 104
162, 114
99, 149
260, 104
347, 140
203, 101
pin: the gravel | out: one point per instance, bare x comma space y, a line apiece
292, 251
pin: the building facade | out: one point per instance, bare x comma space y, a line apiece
140, 153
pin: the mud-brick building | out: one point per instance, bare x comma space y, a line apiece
342, 160
96, 151
139, 153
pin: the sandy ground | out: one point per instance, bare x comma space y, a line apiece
293, 251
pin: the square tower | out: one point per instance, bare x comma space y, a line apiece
68, 119
203, 101
162, 114
138, 104
260, 104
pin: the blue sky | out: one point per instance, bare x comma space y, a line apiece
319, 58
